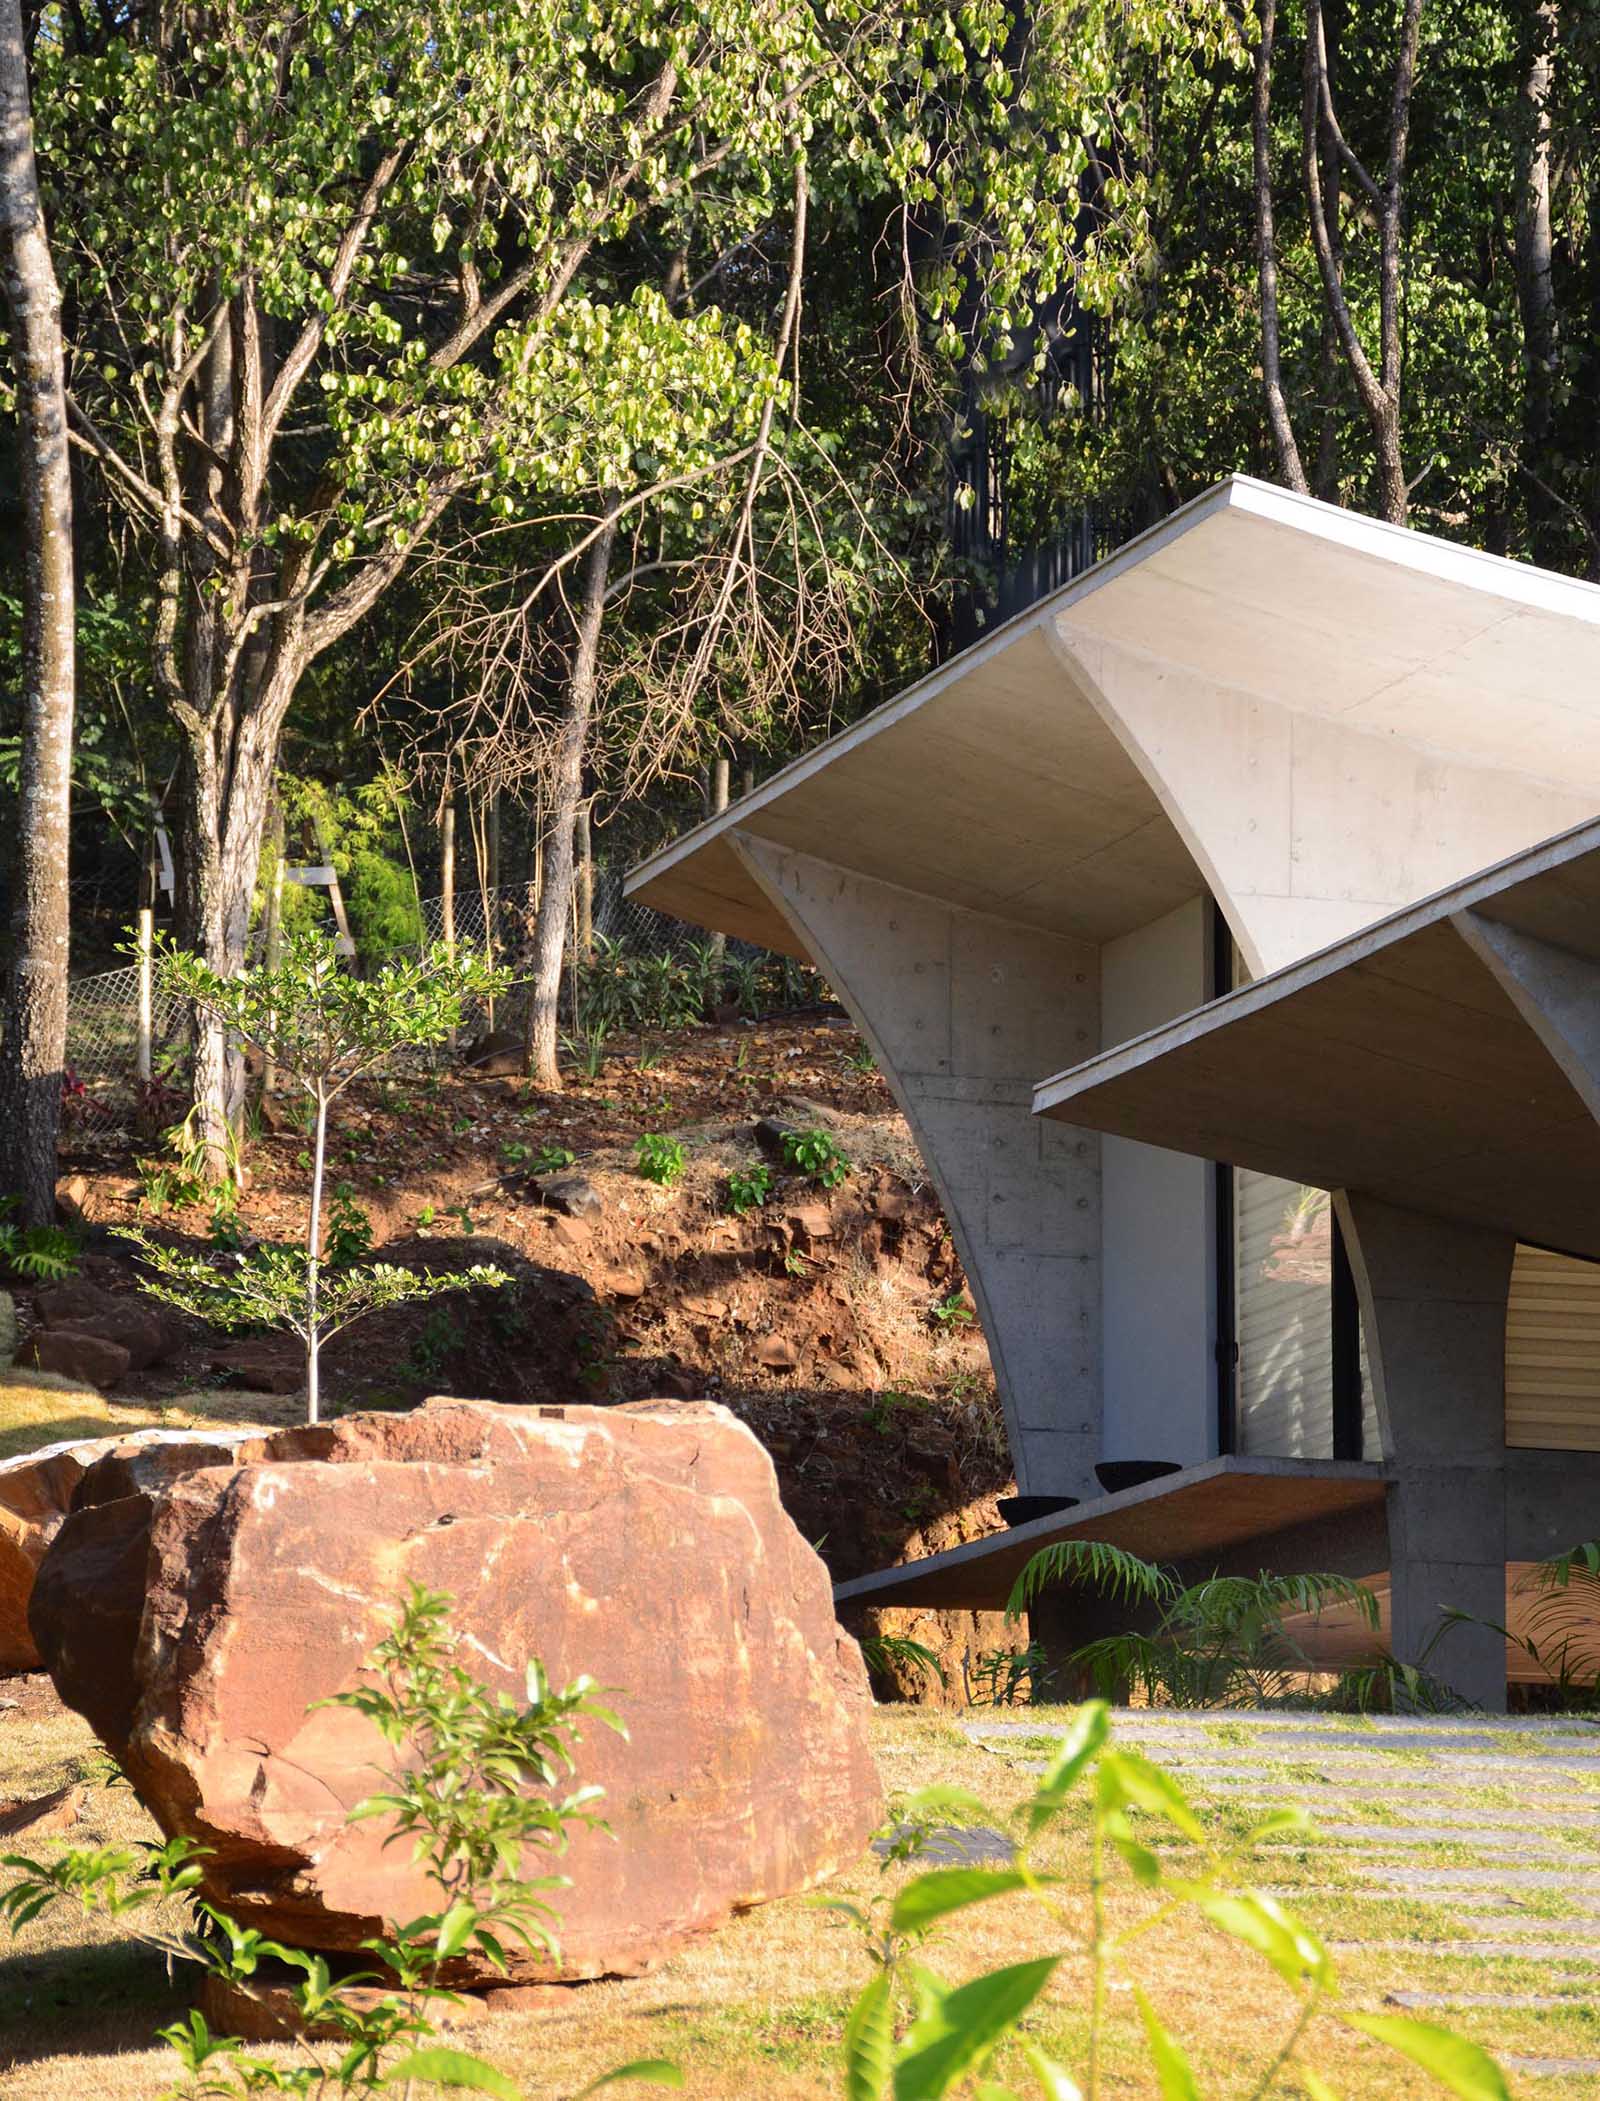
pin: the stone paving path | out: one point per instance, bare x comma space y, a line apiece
1490, 1825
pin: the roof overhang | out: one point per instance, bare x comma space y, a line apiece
1003, 783
1407, 1062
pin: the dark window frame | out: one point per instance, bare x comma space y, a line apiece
1345, 1368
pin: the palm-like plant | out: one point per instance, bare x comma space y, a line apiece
1223, 1642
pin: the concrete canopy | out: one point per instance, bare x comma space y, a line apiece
1317, 716
1443, 1060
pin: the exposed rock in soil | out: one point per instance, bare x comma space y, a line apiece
197, 1625
45, 1816
574, 1196
88, 1360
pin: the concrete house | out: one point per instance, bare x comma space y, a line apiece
1330, 1242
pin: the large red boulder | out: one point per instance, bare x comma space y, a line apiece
198, 1624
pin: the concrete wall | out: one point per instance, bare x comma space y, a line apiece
963, 1012
1158, 1280
1308, 828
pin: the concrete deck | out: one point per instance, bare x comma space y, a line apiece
1216, 1509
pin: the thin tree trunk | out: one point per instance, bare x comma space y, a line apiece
35, 1013
719, 942
566, 792
314, 1258
1535, 259
585, 853
1290, 470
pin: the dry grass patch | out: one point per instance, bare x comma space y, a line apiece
38, 1408
757, 2009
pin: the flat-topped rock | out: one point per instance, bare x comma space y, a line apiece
198, 1621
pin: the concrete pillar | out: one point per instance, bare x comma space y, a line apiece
1433, 1300
963, 1013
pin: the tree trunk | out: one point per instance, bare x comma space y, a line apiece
585, 854
227, 770
1287, 451
566, 792
1535, 256
719, 942
35, 1013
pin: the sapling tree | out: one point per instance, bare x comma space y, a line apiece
323, 1028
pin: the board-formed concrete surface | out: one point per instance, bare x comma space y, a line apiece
1453, 1864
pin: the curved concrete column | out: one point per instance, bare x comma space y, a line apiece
1309, 826
1433, 1302
963, 1012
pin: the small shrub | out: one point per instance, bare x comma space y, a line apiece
478, 1781
659, 1159
950, 1312
349, 1229
1003, 1677
587, 1050
46, 1254
911, 2034
816, 1154
551, 1159
747, 1190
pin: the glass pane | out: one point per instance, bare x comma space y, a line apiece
1284, 1284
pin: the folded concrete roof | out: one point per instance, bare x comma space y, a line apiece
1020, 779
1442, 1059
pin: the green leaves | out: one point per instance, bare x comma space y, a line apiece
1296, 1954
442, 2066
869, 2041
959, 2029
1172, 2067
1089, 1729
645, 2071
935, 1895
1459, 2066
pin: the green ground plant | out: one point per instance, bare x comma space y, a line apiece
913, 2036
1223, 1642
818, 1155
323, 1027
658, 1158
747, 1189
478, 1781
43, 1254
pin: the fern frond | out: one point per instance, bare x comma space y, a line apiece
1095, 1564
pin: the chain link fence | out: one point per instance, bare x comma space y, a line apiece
104, 1091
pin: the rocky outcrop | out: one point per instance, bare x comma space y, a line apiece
197, 1624
37, 1491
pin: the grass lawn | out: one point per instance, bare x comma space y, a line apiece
39, 1408
757, 2009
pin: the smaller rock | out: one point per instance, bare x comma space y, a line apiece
259, 1367
71, 1196
140, 1329
264, 2009
698, 1306
77, 1300
528, 1998
45, 1814
770, 1134
91, 1360
571, 1232
777, 1353
623, 1284
574, 1196
812, 1222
